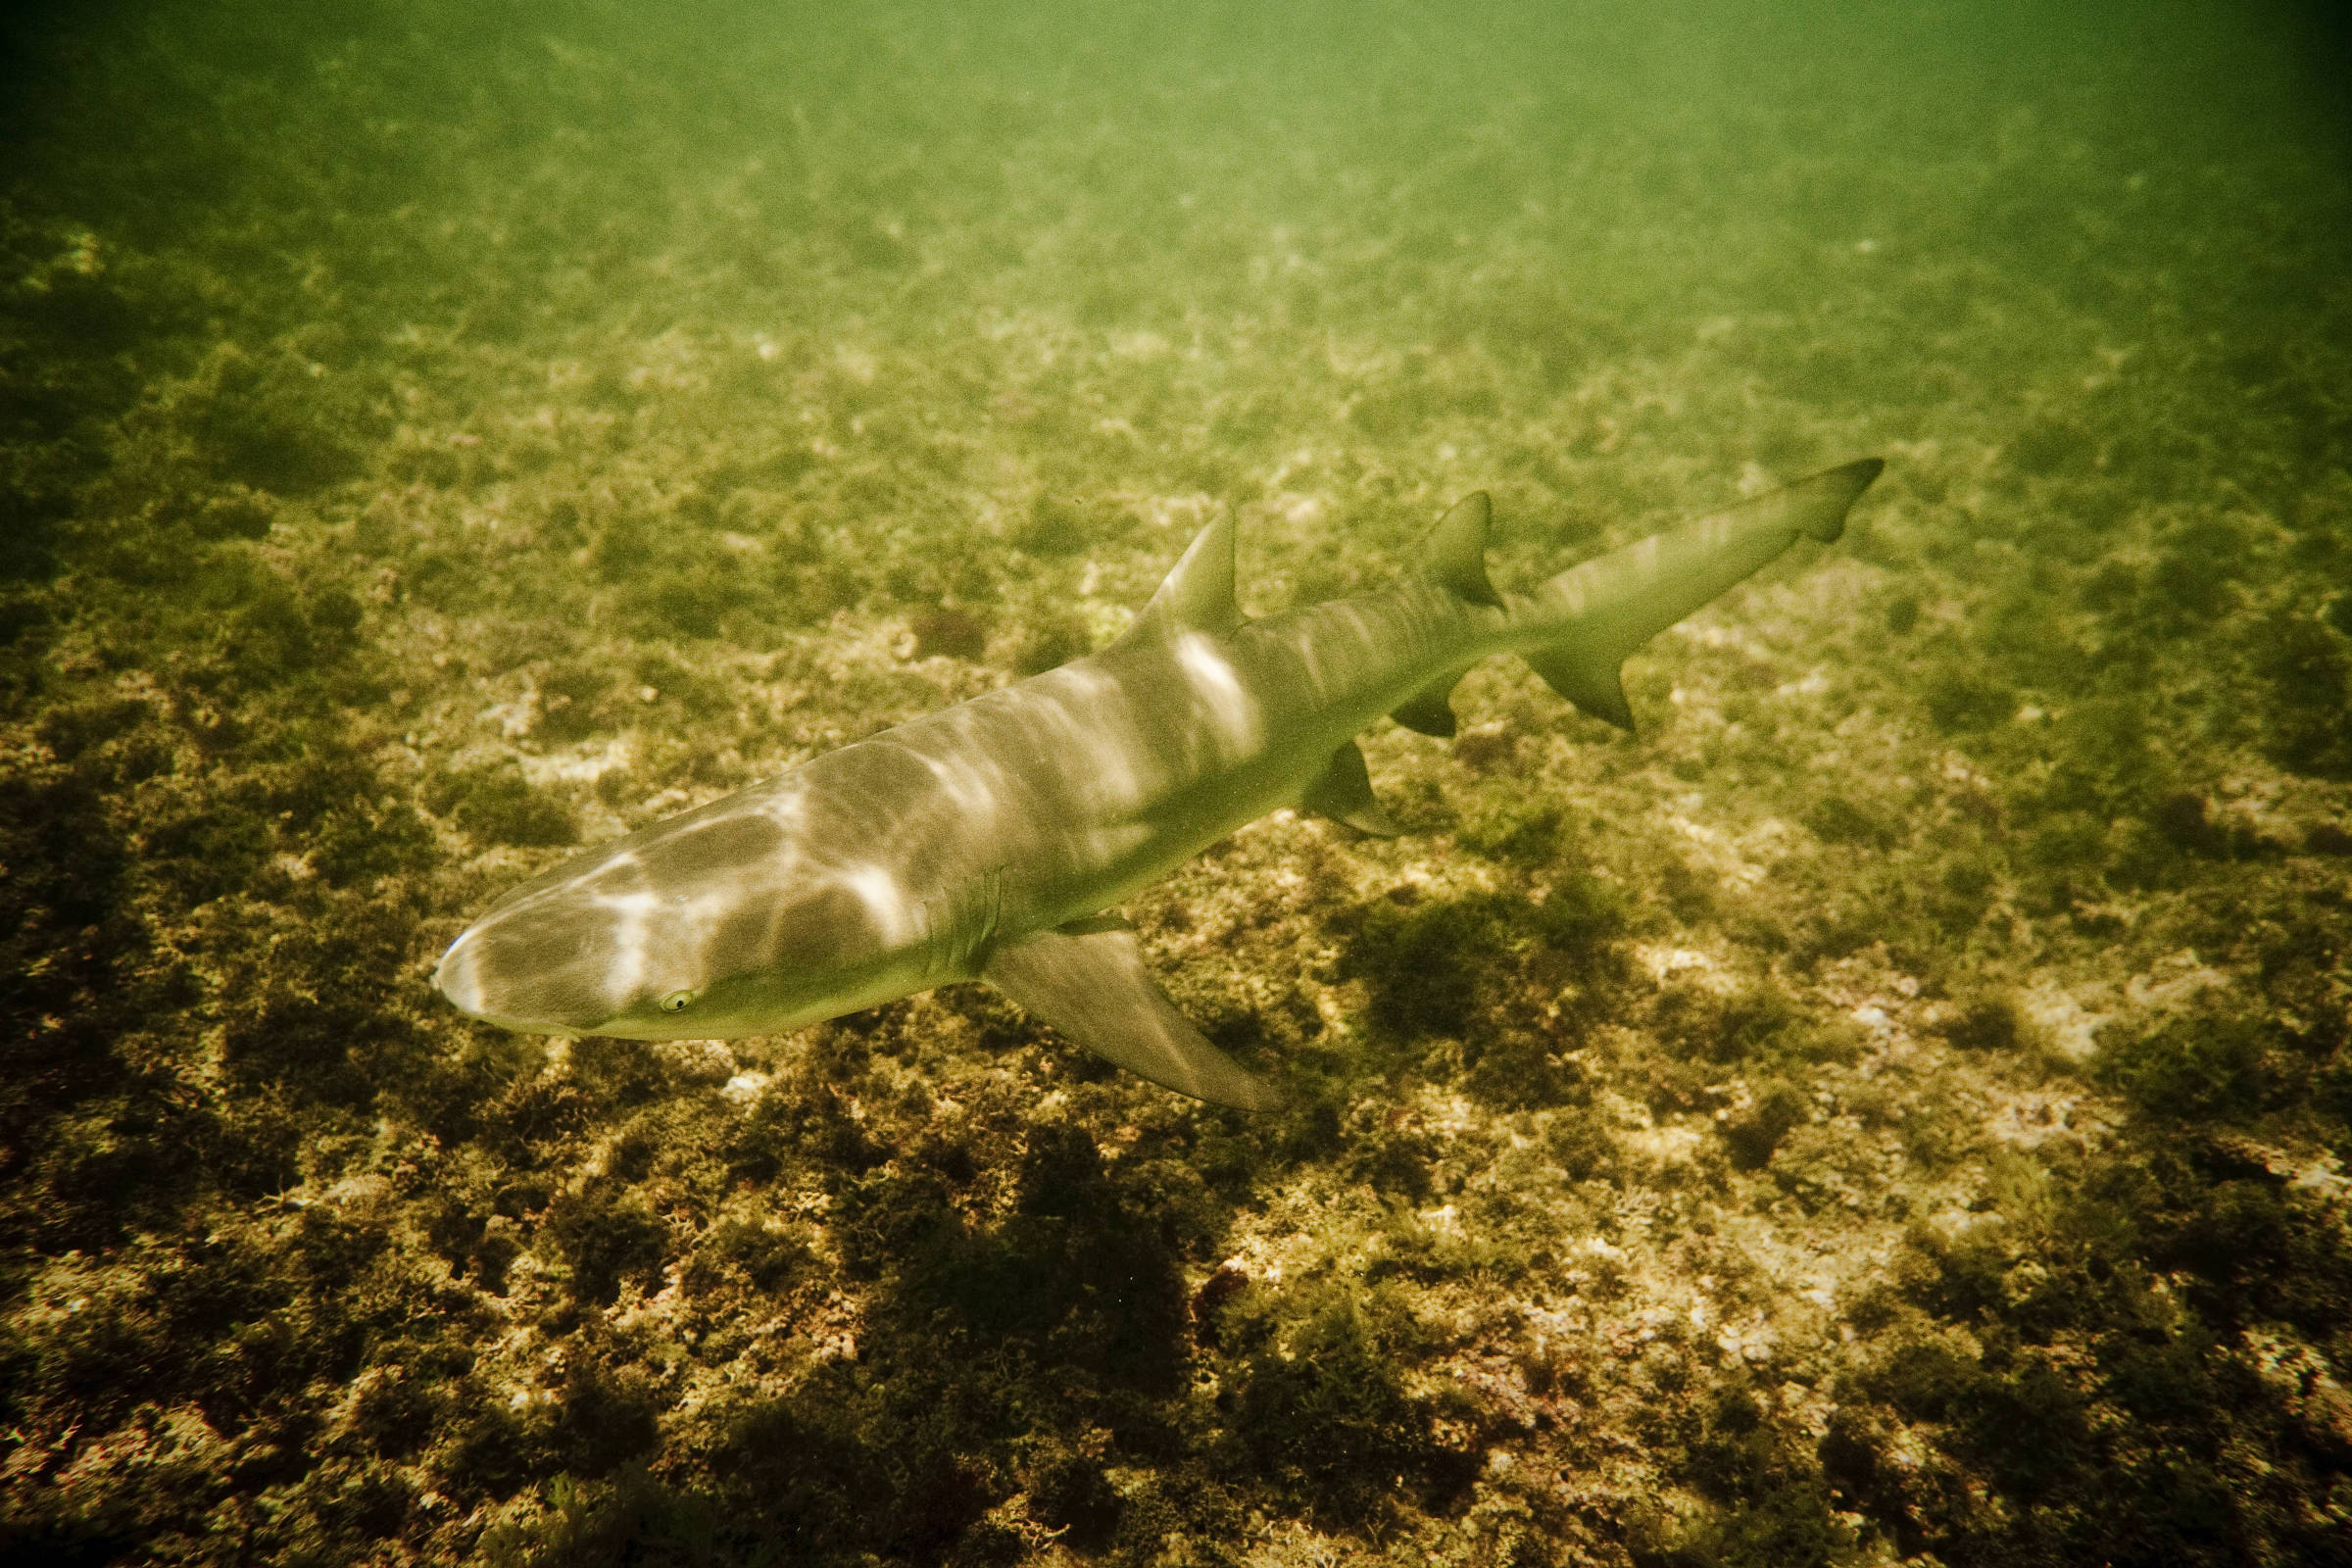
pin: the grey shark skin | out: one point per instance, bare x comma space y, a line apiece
984, 842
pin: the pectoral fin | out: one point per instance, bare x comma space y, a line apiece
1088, 980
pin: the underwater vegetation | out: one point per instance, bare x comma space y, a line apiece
1893, 1108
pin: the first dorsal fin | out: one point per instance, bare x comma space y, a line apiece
1455, 552
1198, 594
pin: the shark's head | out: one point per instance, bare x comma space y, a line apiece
713, 925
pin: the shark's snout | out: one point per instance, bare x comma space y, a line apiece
459, 976
468, 976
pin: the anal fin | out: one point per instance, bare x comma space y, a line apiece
1342, 792
1088, 981
1596, 686
1430, 711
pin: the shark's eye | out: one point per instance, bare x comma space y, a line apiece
676, 1000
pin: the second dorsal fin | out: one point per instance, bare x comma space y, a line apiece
1198, 593
1455, 552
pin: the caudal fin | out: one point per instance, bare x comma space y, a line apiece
1605, 609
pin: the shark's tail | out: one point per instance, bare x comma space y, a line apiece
1595, 615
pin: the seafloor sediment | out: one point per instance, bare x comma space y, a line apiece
1891, 1109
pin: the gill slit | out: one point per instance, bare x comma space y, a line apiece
953, 944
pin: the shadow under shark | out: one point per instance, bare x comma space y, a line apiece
985, 842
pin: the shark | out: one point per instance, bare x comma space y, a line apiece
994, 841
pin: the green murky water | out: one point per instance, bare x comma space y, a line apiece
1891, 1109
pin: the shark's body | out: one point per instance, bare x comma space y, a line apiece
984, 841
